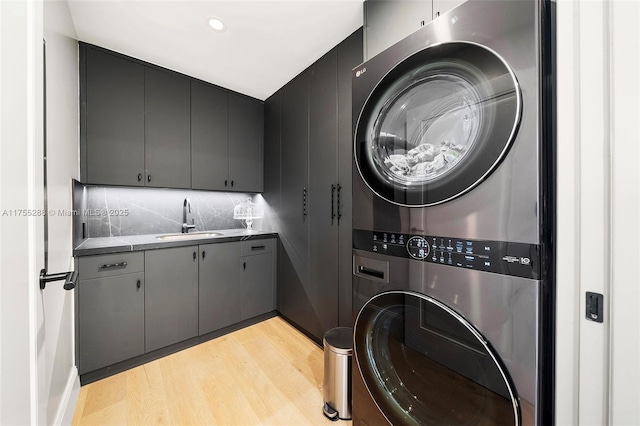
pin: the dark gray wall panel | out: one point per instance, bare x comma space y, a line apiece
349, 57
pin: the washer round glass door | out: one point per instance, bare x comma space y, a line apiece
425, 364
437, 124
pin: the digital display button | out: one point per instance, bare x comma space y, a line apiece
418, 248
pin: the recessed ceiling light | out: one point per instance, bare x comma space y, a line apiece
216, 23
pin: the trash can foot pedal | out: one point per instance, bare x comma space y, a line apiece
329, 412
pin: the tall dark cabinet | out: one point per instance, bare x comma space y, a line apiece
309, 125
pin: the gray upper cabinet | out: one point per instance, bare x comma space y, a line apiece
219, 281
386, 22
246, 144
142, 125
112, 102
167, 129
171, 296
209, 137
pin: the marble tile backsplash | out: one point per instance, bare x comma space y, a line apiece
117, 211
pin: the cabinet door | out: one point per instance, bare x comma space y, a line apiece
167, 129
220, 287
323, 181
113, 133
209, 137
389, 21
349, 56
257, 285
110, 320
171, 296
293, 260
246, 130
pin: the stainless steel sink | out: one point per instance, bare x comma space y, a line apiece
188, 236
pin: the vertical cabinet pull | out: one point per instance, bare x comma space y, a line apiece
244, 265
333, 193
195, 256
232, 183
225, 183
304, 204
339, 213
139, 177
138, 284
148, 178
202, 254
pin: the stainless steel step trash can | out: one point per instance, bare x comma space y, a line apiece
338, 350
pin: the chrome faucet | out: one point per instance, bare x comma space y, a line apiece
186, 209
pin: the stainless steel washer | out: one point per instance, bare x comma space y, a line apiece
453, 212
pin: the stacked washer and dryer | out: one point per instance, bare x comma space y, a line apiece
453, 285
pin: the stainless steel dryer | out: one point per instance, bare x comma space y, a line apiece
453, 290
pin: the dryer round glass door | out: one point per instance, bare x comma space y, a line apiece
437, 124
423, 363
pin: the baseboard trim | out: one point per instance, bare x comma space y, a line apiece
64, 415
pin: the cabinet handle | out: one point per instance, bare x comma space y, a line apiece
225, 183
304, 204
258, 247
244, 265
139, 177
113, 266
202, 254
333, 193
339, 213
195, 256
437, 14
232, 183
138, 284
148, 178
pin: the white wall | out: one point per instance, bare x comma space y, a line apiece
598, 367
62, 166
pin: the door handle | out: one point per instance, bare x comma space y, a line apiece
138, 284
113, 266
304, 204
339, 188
202, 254
333, 194
195, 256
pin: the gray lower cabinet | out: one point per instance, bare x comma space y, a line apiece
129, 304
110, 310
171, 296
219, 281
258, 278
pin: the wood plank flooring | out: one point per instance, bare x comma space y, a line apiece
266, 374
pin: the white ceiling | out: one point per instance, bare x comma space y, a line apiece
266, 43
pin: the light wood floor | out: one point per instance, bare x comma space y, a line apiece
266, 374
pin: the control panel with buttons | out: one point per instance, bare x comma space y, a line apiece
517, 259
